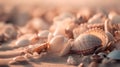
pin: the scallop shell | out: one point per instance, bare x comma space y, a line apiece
87, 42
71, 61
100, 34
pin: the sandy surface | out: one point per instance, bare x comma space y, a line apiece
47, 60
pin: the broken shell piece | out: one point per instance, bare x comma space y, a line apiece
71, 61
19, 58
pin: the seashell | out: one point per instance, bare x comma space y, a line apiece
23, 40
96, 19
10, 31
86, 44
84, 14
58, 28
64, 16
38, 48
37, 24
71, 61
108, 30
102, 55
43, 34
57, 43
69, 29
114, 17
100, 34
19, 58
115, 55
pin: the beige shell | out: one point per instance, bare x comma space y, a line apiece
57, 43
86, 44
10, 31
97, 18
43, 33
37, 24
114, 17
86, 13
19, 58
23, 40
100, 34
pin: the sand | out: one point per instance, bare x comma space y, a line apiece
47, 60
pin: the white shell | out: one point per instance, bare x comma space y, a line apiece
114, 17
57, 43
23, 40
39, 24
71, 61
96, 19
43, 33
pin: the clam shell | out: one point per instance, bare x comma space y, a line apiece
114, 55
86, 43
100, 34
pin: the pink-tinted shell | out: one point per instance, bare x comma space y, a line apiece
87, 42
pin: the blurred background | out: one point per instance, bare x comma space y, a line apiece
20, 11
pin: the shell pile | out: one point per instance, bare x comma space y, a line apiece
61, 33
